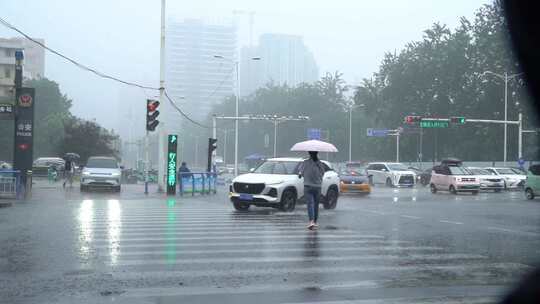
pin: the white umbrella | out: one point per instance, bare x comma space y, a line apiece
314, 145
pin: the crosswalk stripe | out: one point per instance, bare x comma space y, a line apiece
123, 240
280, 250
415, 300
215, 273
214, 260
202, 231
210, 225
206, 222
261, 242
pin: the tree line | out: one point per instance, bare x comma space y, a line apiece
439, 76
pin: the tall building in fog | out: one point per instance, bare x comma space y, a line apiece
34, 63
194, 78
285, 59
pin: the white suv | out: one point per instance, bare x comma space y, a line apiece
275, 183
453, 178
391, 174
512, 179
101, 172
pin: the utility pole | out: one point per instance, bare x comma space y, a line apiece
161, 132
276, 122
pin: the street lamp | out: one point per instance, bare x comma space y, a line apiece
236, 64
505, 77
351, 107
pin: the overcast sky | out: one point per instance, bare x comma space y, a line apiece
121, 37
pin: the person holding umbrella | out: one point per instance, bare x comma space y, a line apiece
69, 168
312, 169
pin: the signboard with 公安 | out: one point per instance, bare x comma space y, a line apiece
24, 129
172, 146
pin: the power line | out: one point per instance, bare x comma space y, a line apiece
182, 112
73, 61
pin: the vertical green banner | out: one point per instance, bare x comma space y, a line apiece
172, 145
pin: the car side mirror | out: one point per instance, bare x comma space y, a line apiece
122, 167
252, 170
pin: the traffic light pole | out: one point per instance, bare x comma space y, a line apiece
161, 140
146, 162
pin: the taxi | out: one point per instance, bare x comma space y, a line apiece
353, 181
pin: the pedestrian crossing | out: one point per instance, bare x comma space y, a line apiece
211, 253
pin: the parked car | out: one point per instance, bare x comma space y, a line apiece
40, 167
391, 174
4, 165
451, 176
532, 184
275, 183
512, 179
101, 172
354, 181
488, 180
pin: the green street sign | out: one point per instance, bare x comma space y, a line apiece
426, 123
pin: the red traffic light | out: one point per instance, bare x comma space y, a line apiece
152, 105
411, 119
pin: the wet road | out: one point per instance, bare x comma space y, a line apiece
394, 246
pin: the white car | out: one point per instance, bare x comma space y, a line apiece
101, 172
512, 179
275, 183
391, 174
453, 178
488, 179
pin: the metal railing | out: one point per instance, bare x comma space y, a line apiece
10, 184
197, 182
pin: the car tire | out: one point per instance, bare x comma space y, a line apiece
370, 180
331, 199
239, 206
452, 189
288, 201
433, 188
389, 182
529, 194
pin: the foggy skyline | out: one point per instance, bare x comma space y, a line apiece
121, 38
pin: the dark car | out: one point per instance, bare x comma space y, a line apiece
425, 177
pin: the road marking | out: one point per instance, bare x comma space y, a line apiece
264, 250
514, 231
274, 232
410, 217
376, 212
252, 237
186, 291
416, 300
262, 242
225, 229
451, 222
258, 271
301, 259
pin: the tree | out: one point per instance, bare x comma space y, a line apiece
87, 138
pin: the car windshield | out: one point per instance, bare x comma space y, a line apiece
398, 167
506, 171
518, 171
278, 167
478, 171
106, 163
455, 170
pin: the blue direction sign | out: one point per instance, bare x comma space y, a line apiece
314, 134
521, 162
377, 132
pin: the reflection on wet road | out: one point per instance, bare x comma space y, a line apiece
396, 246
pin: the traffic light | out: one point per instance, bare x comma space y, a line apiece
212, 146
412, 119
457, 120
151, 114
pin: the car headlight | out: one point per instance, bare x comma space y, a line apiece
85, 173
116, 174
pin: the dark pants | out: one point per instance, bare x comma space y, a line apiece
312, 195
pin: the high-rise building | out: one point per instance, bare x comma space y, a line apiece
34, 63
285, 59
195, 79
